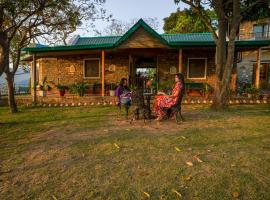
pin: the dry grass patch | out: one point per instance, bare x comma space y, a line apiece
85, 153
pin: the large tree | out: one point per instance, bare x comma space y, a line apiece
186, 21
21, 22
230, 13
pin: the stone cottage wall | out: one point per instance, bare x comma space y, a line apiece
211, 69
165, 61
246, 28
68, 70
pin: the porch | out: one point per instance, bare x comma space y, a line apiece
141, 53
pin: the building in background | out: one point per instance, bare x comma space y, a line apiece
248, 69
102, 61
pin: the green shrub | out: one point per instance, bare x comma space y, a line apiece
79, 88
61, 87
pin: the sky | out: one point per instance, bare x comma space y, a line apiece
125, 10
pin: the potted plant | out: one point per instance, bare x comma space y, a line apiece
61, 89
230, 93
252, 91
79, 88
43, 87
206, 91
112, 89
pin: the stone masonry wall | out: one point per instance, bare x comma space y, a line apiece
69, 70
210, 72
246, 28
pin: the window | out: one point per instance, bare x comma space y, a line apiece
92, 68
197, 68
261, 31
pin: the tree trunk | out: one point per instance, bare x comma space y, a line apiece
11, 95
221, 92
219, 99
4, 53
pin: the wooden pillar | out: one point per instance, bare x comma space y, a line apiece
130, 69
103, 72
257, 69
157, 74
180, 62
34, 79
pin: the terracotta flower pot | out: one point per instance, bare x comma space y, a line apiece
112, 93
62, 93
206, 96
42, 93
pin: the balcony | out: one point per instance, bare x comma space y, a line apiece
254, 36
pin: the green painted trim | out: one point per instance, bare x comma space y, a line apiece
69, 48
252, 43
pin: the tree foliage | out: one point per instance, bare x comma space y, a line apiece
186, 21
23, 22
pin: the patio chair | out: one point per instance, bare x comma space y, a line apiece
125, 101
141, 109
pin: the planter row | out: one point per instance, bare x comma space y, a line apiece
185, 102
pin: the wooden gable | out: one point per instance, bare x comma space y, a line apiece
142, 39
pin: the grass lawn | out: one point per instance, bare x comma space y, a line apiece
85, 153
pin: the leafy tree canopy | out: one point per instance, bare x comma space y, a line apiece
186, 21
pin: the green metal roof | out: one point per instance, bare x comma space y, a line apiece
97, 40
171, 40
188, 37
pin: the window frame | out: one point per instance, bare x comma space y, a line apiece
84, 65
205, 68
265, 30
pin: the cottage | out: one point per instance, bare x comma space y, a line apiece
101, 61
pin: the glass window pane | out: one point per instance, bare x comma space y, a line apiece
197, 68
258, 31
91, 68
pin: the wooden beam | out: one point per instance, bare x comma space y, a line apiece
257, 69
157, 77
129, 68
34, 79
103, 72
180, 62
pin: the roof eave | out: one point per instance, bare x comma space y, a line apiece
68, 48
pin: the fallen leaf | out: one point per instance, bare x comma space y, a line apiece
186, 178
198, 159
183, 137
177, 149
128, 129
189, 164
116, 145
106, 130
54, 197
176, 192
236, 194
147, 194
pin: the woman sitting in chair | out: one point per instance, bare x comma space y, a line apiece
163, 101
124, 95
